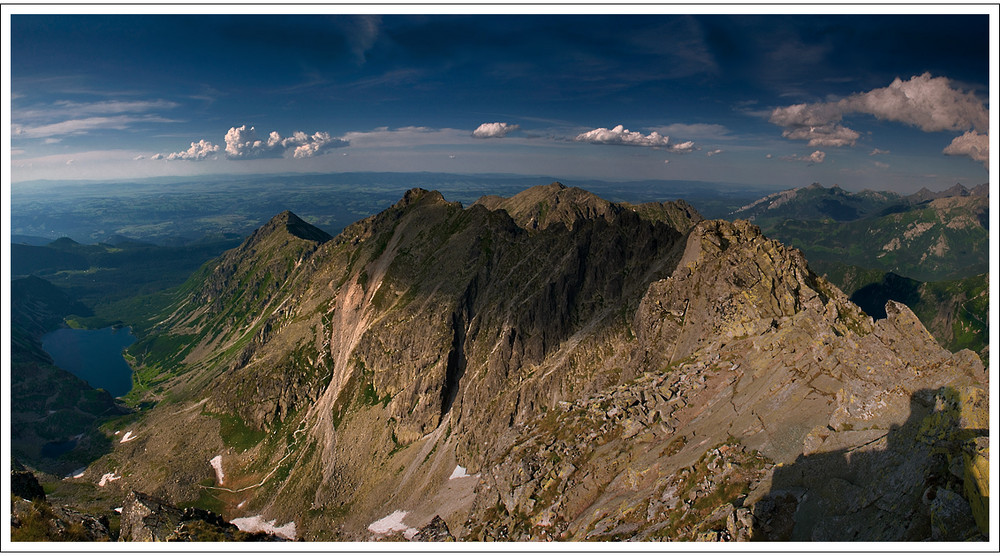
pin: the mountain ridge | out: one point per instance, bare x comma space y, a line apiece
340, 380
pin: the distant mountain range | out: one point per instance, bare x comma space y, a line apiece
545, 366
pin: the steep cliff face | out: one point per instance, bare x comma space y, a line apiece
571, 356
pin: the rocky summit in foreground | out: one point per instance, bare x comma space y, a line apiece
548, 366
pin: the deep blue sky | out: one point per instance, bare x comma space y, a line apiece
862, 101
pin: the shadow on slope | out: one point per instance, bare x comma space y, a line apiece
903, 484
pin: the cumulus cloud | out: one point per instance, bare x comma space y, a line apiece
925, 102
242, 143
312, 145
494, 129
878, 151
929, 103
973, 145
816, 157
713, 152
198, 151
621, 136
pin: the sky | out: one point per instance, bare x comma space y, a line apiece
887, 102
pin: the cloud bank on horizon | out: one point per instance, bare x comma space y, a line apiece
803, 99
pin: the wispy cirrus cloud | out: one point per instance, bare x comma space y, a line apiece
81, 126
64, 118
74, 110
618, 135
928, 103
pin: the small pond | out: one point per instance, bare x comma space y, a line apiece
93, 355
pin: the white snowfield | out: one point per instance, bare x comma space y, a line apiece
393, 523
128, 436
217, 465
458, 473
107, 478
256, 524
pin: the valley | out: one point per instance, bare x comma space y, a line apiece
546, 365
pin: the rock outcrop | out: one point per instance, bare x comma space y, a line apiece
148, 519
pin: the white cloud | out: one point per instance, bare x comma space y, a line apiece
198, 151
769, 156
973, 145
81, 126
139, 157
494, 129
816, 157
156, 156
882, 165
713, 152
830, 135
311, 145
75, 110
928, 103
878, 151
621, 136
242, 143
666, 162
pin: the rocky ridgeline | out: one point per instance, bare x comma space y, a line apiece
604, 371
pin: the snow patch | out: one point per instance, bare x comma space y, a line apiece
256, 524
128, 436
217, 465
458, 473
393, 523
119, 510
107, 478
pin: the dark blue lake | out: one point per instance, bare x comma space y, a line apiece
93, 355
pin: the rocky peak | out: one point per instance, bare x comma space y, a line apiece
542, 206
288, 223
